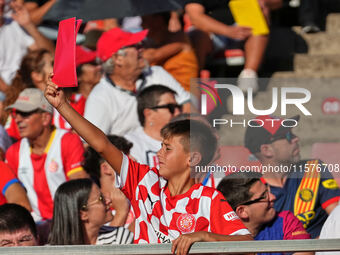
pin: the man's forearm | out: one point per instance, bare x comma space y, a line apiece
40, 40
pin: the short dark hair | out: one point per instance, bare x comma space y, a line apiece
196, 136
235, 187
15, 217
149, 97
67, 227
92, 159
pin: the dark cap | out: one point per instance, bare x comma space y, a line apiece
262, 129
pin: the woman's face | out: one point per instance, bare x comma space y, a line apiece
98, 207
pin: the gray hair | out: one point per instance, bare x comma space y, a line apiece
108, 66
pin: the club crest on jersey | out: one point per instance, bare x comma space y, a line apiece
186, 223
230, 216
53, 166
306, 195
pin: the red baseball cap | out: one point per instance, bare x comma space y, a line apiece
84, 55
113, 40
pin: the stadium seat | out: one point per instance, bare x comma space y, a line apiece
330, 154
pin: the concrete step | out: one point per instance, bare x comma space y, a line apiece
309, 64
319, 127
322, 43
333, 23
328, 74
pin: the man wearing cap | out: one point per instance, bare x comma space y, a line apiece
305, 187
46, 156
112, 105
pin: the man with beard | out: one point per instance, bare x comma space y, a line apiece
304, 187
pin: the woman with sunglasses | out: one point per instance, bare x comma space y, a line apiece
80, 211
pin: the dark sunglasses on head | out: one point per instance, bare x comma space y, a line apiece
289, 136
170, 107
14, 113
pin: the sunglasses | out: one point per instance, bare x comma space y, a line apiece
289, 136
24, 115
170, 107
263, 198
100, 199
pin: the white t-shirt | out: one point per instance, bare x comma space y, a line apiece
114, 110
14, 42
331, 229
144, 148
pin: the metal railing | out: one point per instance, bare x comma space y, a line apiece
197, 248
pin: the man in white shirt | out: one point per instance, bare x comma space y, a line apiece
112, 104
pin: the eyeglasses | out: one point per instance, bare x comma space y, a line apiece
170, 107
24, 115
263, 198
100, 199
289, 136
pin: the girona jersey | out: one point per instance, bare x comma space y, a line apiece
6, 180
161, 218
42, 174
77, 101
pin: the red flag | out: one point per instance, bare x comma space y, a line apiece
65, 54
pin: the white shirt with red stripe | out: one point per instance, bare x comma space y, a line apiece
42, 174
144, 148
161, 218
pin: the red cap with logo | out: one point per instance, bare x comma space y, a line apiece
113, 40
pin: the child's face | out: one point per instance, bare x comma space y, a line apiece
173, 159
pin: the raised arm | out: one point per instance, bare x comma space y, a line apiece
90, 133
21, 16
208, 24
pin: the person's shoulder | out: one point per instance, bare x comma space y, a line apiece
101, 87
210, 192
14, 147
134, 133
155, 71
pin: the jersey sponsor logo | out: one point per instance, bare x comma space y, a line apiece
186, 223
306, 218
152, 202
306, 194
330, 184
53, 166
230, 216
163, 238
75, 165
